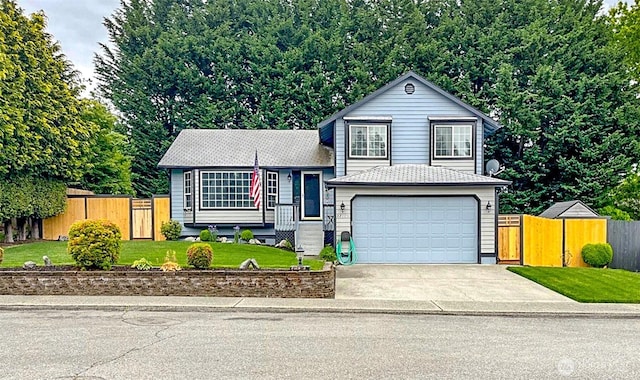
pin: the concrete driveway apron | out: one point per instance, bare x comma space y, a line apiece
481, 283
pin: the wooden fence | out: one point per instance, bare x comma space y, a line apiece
624, 238
540, 241
136, 218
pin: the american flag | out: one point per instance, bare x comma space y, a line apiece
256, 184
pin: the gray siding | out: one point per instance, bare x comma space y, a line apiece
285, 188
479, 147
340, 147
410, 122
577, 211
177, 203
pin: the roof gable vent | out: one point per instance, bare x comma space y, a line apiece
409, 88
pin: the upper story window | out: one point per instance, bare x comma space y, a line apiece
187, 190
368, 141
272, 189
453, 141
226, 190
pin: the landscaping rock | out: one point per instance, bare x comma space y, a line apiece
47, 261
29, 265
222, 239
255, 241
282, 244
190, 238
249, 263
63, 238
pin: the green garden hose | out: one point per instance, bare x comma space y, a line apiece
351, 256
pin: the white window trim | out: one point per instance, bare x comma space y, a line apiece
386, 140
252, 207
184, 190
277, 178
453, 127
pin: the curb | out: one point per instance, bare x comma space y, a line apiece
302, 310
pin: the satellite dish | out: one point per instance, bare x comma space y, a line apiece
493, 167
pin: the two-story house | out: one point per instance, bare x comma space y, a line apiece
401, 170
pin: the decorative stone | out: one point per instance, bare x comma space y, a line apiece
281, 244
222, 239
249, 263
63, 238
29, 265
47, 261
190, 238
255, 241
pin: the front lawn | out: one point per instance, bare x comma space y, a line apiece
587, 284
224, 255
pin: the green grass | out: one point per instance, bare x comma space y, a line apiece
587, 284
224, 255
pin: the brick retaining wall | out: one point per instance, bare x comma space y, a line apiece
215, 283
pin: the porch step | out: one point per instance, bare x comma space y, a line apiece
311, 238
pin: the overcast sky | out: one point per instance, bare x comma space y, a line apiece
77, 25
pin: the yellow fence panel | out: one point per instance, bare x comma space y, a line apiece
161, 213
59, 225
509, 244
117, 210
542, 241
578, 233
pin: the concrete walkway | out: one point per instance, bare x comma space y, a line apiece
450, 283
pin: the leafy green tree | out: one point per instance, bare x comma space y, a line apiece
44, 142
109, 168
625, 22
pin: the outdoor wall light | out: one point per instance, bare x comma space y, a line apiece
489, 206
342, 206
289, 177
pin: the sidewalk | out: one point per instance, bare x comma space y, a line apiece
297, 305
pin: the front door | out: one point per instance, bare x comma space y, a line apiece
311, 196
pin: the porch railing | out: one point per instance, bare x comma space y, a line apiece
285, 217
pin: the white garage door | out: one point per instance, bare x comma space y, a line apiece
415, 229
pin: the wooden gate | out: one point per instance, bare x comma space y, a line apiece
509, 240
141, 219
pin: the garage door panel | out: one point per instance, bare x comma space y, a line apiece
415, 229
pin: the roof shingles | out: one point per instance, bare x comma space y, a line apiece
201, 148
415, 174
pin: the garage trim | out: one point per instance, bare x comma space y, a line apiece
474, 196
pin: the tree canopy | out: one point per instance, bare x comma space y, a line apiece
548, 70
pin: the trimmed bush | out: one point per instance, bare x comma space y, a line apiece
170, 262
94, 244
205, 235
328, 253
142, 264
246, 235
171, 230
597, 255
199, 255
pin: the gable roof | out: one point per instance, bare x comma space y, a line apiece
415, 175
559, 208
202, 148
490, 125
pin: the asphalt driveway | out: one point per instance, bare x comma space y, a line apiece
483, 283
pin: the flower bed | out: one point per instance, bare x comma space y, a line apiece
130, 282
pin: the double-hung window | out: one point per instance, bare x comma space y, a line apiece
368, 141
453, 141
272, 189
187, 190
226, 190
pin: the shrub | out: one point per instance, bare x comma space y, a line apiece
142, 264
1, 254
94, 243
246, 235
171, 230
199, 255
214, 232
328, 253
170, 262
597, 255
205, 235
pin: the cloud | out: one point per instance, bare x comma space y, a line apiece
77, 26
